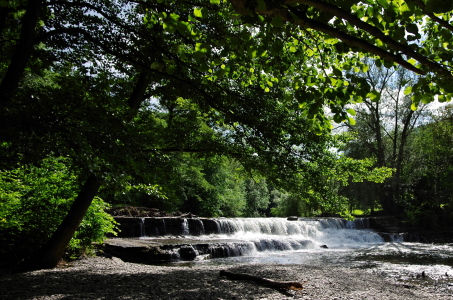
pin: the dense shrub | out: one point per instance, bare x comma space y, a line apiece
34, 201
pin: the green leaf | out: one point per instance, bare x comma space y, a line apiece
174, 16
198, 12
170, 69
157, 66
414, 106
261, 5
427, 99
439, 6
351, 111
252, 52
374, 96
199, 56
388, 64
412, 28
441, 98
412, 61
351, 121
170, 28
384, 3
277, 21
446, 85
408, 90
337, 72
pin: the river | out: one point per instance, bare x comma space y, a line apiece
322, 241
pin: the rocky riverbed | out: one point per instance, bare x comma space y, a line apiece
111, 278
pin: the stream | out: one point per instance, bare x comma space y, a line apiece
317, 242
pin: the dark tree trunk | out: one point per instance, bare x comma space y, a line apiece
4, 11
51, 253
22, 53
293, 285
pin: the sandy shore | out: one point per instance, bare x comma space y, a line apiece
105, 278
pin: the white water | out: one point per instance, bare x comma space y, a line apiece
185, 227
142, 227
277, 240
271, 234
279, 234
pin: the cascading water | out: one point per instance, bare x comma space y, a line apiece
227, 237
273, 234
142, 227
201, 225
185, 227
327, 241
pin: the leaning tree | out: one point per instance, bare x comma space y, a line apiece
261, 72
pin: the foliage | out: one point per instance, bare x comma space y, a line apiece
33, 201
251, 80
257, 197
94, 228
293, 205
383, 132
428, 198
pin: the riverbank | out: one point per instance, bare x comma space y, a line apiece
111, 278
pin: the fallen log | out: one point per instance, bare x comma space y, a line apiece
292, 285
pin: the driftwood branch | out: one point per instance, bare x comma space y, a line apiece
292, 285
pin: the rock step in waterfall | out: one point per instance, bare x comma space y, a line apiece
164, 239
154, 227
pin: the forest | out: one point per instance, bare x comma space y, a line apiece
219, 108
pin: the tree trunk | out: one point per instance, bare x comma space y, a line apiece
4, 11
293, 285
22, 53
51, 253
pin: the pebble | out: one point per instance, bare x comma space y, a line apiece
111, 278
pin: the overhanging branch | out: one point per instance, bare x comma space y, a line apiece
377, 33
284, 9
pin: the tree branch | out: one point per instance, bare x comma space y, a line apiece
284, 10
432, 16
306, 22
404, 49
138, 93
293, 285
22, 53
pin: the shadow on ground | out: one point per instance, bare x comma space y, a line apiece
177, 284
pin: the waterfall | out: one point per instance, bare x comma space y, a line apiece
281, 234
224, 237
361, 223
201, 227
308, 241
268, 226
315, 230
142, 227
185, 227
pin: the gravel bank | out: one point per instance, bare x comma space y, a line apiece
104, 278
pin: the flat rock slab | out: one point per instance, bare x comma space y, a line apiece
132, 242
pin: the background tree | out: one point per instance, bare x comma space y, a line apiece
428, 201
250, 68
383, 130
